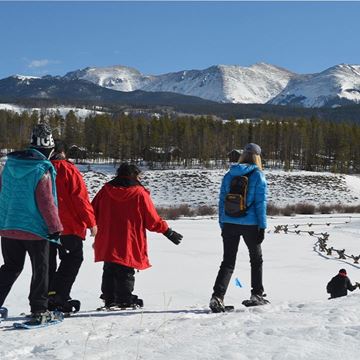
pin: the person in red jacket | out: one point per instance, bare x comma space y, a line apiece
76, 215
124, 211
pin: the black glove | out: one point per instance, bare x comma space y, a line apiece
173, 236
357, 284
261, 236
54, 236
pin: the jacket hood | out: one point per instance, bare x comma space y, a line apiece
120, 193
241, 169
23, 157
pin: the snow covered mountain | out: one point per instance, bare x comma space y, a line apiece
336, 86
120, 78
258, 83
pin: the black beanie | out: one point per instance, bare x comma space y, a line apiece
41, 137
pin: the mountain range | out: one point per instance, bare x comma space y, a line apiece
223, 90
257, 84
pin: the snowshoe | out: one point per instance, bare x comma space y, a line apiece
70, 307
217, 305
136, 303
41, 319
3, 313
133, 303
256, 300
56, 303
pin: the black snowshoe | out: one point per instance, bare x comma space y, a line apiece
67, 307
217, 305
134, 303
3, 313
256, 300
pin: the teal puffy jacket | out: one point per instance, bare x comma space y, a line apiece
20, 177
256, 196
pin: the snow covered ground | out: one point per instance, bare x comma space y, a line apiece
62, 110
201, 187
300, 322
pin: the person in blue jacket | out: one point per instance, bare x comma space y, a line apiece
250, 226
29, 219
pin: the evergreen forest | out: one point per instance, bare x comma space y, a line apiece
305, 144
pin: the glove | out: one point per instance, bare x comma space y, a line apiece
173, 236
261, 236
54, 236
357, 284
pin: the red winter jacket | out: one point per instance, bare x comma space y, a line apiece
123, 215
75, 211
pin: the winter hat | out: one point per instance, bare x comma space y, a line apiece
342, 272
252, 148
41, 137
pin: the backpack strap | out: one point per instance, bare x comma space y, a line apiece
248, 175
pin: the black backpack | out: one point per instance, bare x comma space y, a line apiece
235, 200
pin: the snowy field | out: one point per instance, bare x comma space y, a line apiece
175, 324
201, 187
300, 323
81, 113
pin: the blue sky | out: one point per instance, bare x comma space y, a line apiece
53, 38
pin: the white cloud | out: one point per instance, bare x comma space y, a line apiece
38, 63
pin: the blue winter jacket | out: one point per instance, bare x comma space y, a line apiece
20, 177
256, 196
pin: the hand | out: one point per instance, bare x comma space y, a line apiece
260, 236
93, 231
357, 284
54, 236
173, 236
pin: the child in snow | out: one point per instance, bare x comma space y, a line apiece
340, 284
124, 211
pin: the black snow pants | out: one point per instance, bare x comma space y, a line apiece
14, 252
117, 283
231, 234
62, 278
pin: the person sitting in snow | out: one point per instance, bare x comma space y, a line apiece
124, 211
340, 284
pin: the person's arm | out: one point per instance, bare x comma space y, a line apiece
153, 221
329, 287
350, 286
46, 204
222, 195
261, 200
80, 199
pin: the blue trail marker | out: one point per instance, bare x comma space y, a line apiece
238, 283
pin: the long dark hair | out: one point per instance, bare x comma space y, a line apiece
127, 175
128, 170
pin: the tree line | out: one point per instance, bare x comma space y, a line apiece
314, 144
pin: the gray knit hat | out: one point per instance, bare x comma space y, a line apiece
252, 148
41, 137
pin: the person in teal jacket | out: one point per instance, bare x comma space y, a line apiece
250, 226
29, 219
